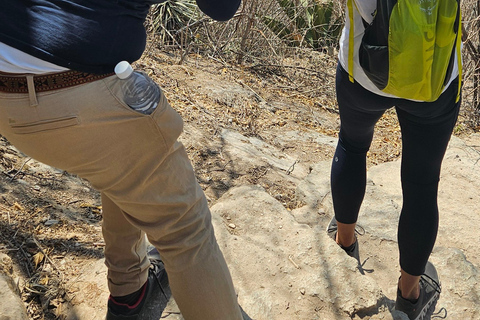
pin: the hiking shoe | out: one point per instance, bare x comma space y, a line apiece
353, 250
430, 289
156, 288
245, 316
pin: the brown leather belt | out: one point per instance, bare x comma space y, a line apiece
14, 83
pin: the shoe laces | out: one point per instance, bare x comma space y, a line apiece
358, 229
156, 269
442, 313
434, 283
437, 314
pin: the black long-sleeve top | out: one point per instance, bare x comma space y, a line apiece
86, 35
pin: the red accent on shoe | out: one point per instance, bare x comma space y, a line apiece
136, 303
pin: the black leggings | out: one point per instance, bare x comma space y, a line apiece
426, 129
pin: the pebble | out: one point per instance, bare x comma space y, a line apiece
51, 222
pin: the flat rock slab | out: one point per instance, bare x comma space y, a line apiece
284, 265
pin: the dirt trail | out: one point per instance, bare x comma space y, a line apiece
51, 221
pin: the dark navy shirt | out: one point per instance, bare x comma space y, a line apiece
86, 35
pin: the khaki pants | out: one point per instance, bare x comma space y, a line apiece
146, 182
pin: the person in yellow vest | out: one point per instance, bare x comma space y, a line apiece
426, 129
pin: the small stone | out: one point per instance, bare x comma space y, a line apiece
232, 226
25, 183
302, 291
51, 222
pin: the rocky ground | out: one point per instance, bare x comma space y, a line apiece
261, 138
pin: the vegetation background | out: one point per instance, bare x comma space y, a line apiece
265, 35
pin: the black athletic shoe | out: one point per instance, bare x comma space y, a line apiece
353, 250
430, 289
156, 289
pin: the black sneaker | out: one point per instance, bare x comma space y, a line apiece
245, 315
353, 250
430, 289
156, 289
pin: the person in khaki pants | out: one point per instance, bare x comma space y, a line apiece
57, 106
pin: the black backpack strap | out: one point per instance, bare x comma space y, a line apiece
456, 28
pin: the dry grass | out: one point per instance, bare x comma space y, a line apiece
471, 61
246, 41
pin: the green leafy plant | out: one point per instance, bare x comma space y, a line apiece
167, 18
305, 22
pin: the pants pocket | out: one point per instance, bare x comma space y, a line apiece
168, 122
44, 125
